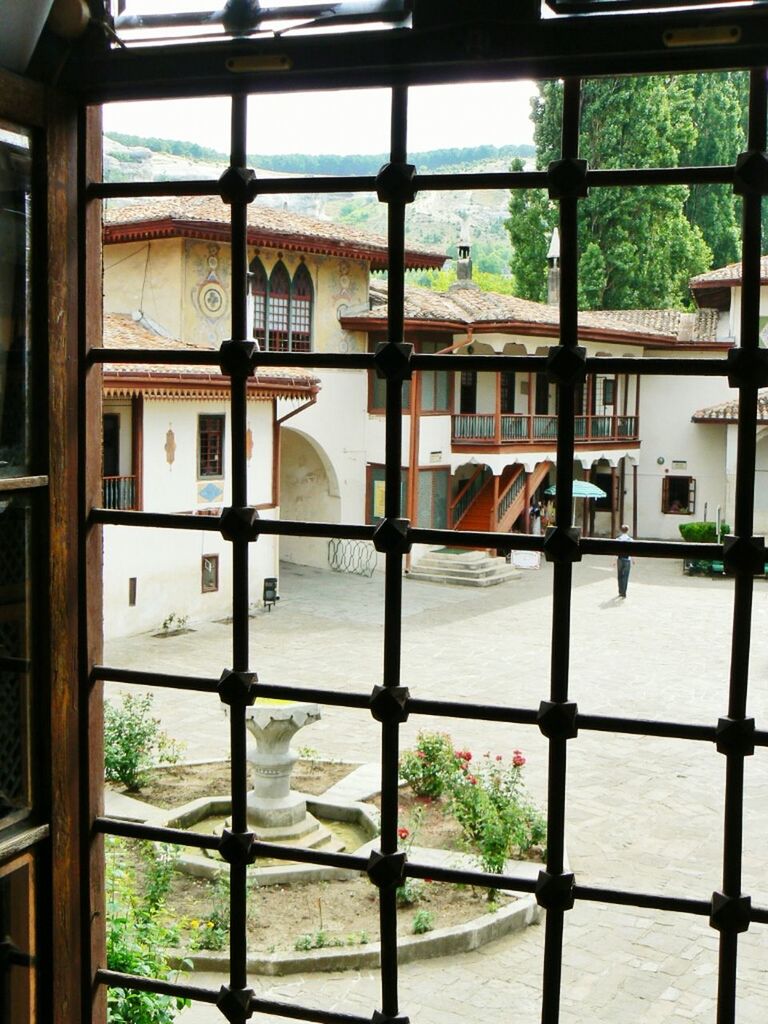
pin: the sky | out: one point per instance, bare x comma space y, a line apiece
352, 121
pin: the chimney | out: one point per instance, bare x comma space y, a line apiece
464, 263
553, 274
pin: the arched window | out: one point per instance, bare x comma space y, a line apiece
278, 302
259, 292
301, 310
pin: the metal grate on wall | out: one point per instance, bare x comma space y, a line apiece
734, 736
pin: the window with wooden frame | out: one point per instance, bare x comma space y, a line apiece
210, 446
302, 294
259, 293
678, 495
209, 572
567, 44
278, 305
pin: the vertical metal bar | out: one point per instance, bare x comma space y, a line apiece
561, 597
240, 580
390, 731
744, 521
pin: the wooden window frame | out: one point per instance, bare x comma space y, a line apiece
204, 458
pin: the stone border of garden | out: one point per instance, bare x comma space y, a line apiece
460, 938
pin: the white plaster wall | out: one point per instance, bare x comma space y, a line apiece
146, 276
309, 492
167, 564
434, 436
666, 407
173, 486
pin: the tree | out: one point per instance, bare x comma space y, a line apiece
636, 251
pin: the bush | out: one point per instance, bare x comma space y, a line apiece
423, 921
495, 814
702, 533
431, 767
212, 932
136, 937
134, 741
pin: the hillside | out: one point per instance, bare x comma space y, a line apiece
437, 219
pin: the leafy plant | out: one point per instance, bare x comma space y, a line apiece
174, 623
134, 741
410, 892
316, 940
136, 938
212, 932
430, 768
423, 921
495, 814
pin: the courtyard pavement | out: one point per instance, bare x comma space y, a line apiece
643, 814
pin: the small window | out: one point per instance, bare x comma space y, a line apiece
210, 446
132, 591
678, 495
210, 573
377, 490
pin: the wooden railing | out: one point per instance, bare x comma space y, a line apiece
119, 492
466, 496
509, 494
480, 428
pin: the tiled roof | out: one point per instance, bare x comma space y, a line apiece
465, 305
728, 275
266, 225
164, 380
728, 412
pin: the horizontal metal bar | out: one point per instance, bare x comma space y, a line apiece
460, 876
116, 979
160, 520
431, 708
647, 901
154, 833
277, 1009
648, 366
137, 189
137, 678
479, 181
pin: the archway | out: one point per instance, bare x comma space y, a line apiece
309, 492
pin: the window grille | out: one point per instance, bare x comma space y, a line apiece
277, 309
391, 701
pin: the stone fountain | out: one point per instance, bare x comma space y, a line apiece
276, 813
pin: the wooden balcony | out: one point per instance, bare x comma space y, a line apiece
119, 492
483, 430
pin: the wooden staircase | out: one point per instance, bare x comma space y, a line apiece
501, 500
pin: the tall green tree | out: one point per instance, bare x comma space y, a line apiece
638, 248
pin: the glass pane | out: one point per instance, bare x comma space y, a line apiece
17, 975
15, 515
15, 167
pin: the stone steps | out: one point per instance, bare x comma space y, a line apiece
469, 569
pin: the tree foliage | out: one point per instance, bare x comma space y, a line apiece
637, 249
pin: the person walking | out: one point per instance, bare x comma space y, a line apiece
534, 517
623, 563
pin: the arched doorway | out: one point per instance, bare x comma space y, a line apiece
309, 492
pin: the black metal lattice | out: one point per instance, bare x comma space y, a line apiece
557, 717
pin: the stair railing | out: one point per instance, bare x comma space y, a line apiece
466, 496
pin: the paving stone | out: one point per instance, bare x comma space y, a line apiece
644, 814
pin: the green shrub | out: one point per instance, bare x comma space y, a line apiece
702, 533
136, 939
423, 921
495, 814
212, 932
430, 768
134, 741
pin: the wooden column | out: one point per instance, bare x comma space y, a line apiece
613, 501
634, 499
497, 421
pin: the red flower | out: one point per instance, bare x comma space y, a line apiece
518, 760
467, 755
421, 754
403, 833
499, 757
459, 755
472, 780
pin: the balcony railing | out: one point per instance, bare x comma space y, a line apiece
488, 429
119, 492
